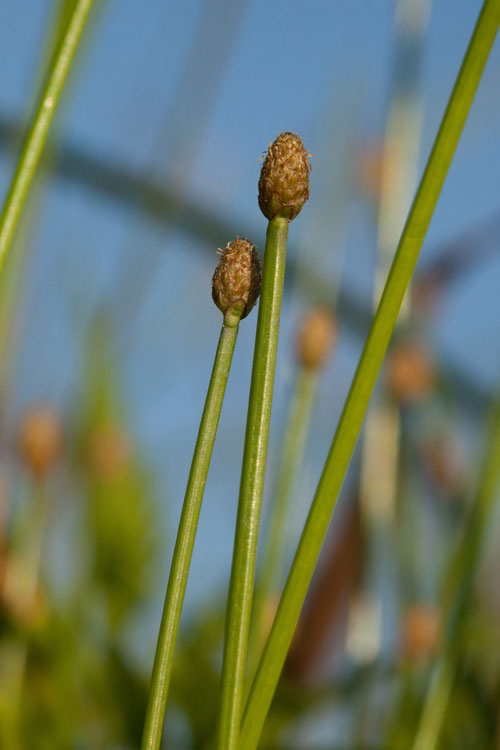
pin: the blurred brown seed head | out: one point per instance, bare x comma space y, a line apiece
236, 280
409, 373
109, 454
284, 178
421, 634
377, 169
316, 338
446, 463
427, 291
369, 169
40, 439
29, 613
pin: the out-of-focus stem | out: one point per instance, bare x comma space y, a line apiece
291, 458
21, 581
458, 591
37, 135
381, 435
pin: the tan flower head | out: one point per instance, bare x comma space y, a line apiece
236, 280
284, 179
40, 439
409, 373
316, 338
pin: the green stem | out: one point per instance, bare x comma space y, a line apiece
21, 582
162, 670
460, 580
37, 135
293, 447
369, 365
252, 483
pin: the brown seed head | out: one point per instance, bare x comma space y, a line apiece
284, 179
446, 462
421, 632
378, 169
316, 339
109, 453
40, 439
236, 281
28, 611
409, 374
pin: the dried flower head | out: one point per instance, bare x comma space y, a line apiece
421, 632
409, 373
28, 610
40, 439
284, 179
317, 337
445, 460
109, 453
378, 169
236, 281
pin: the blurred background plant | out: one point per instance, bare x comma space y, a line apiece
107, 333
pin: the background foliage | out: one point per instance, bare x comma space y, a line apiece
106, 321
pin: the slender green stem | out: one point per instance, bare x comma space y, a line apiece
162, 670
296, 433
39, 129
371, 359
291, 458
458, 592
252, 483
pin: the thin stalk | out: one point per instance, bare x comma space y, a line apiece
39, 129
162, 669
239, 607
291, 458
458, 592
369, 365
21, 584
380, 452
296, 433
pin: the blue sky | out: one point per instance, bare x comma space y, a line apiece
320, 68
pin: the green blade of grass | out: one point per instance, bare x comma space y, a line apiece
181, 561
239, 606
268, 580
39, 129
416, 226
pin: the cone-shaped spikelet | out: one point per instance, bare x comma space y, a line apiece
316, 338
236, 280
284, 179
40, 439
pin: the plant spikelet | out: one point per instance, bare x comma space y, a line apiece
284, 179
236, 281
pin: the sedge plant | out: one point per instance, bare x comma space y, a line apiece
235, 289
283, 191
414, 231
